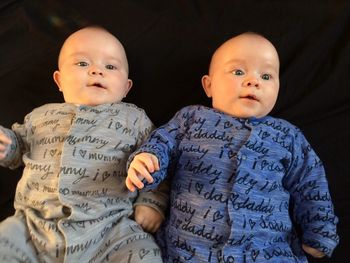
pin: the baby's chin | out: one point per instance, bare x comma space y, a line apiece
242, 115
92, 103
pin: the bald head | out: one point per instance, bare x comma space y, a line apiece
258, 44
243, 78
83, 36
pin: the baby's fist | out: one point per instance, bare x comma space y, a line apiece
4, 144
313, 251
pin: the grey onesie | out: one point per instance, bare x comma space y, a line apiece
71, 202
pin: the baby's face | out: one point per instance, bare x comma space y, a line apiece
243, 79
93, 68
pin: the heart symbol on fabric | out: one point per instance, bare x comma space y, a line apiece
178, 223
227, 124
82, 153
217, 216
255, 254
105, 176
55, 127
177, 187
265, 135
53, 152
199, 187
251, 223
143, 252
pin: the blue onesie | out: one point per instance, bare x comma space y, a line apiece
242, 190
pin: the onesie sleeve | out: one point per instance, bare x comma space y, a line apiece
312, 206
145, 127
163, 144
19, 145
157, 198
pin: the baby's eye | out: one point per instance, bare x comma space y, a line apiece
82, 64
266, 76
111, 67
238, 72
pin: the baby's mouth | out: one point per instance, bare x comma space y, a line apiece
250, 97
97, 85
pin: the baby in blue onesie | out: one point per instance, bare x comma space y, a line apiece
71, 202
245, 187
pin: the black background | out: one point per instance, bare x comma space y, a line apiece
169, 45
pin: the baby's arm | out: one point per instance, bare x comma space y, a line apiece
11, 147
313, 209
155, 156
148, 218
150, 207
313, 251
140, 168
5, 143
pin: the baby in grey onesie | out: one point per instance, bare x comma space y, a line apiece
71, 202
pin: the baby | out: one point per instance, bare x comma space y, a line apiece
71, 202
245, 187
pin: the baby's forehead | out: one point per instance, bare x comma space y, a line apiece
92, 39
85, 37
243, 47
243, 43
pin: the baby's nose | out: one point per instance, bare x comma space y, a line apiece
96, 71
252, 82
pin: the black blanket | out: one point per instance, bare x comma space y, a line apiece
169, 44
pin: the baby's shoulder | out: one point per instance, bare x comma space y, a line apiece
280, 125
196, 110
128, 107
49, 107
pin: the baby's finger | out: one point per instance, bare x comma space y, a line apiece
2, 155
135, 178
4, 139
147, 161
2, 147
146, 175
142, 171
155, 162
129, 185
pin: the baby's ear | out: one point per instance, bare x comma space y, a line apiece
206, 83
128, 87
57, 78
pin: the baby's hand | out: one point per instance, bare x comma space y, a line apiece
139, 169
4, 144
148, 218
313, 251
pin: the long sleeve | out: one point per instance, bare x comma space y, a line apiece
163, 144
157, 198
313, 208
13, 158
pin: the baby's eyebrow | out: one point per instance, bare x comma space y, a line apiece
270, 67
114, 59
266, 66
77, 54
234, 61
83, 54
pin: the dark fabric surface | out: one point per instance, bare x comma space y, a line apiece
169, 44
